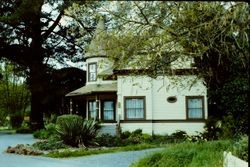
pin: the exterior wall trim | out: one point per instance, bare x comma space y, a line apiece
165, 121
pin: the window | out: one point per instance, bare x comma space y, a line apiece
92, 71
92, 110
108, 111
195, 107
134, 108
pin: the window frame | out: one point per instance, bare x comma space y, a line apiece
144, 107
89, 64
187, 109
102, 111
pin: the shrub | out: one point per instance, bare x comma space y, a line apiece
50, 144
125, 134
212, 129
89, 131
178, 136
137, 137
108, 140
67, 118
75, 131
240, 148
41, 134
49, 131
24, 128
69, 129
16, 119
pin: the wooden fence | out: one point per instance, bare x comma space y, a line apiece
232, 161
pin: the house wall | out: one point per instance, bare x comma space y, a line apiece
162, 117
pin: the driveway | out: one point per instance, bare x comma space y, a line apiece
121, 159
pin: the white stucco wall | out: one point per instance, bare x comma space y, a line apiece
158, 108
164, 128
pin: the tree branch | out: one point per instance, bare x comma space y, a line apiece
53, 26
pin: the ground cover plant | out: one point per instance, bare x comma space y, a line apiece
187, 154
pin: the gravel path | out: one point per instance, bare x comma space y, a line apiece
121, 159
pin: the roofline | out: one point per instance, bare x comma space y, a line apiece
95, 56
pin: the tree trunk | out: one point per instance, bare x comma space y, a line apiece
37, 89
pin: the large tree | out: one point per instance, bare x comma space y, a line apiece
32, 33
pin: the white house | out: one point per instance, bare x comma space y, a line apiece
157, 106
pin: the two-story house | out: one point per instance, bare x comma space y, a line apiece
158, 105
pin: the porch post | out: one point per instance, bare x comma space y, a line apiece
97, 106
70, 106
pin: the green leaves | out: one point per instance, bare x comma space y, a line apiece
75, 131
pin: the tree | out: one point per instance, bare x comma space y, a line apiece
215, 34
14, 95
61, 82
31, 34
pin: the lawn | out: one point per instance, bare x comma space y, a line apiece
186, 154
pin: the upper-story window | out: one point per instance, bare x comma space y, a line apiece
92, 68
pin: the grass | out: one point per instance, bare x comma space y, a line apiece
205, 154
7, 131
84, 152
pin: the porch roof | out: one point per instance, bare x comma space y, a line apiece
94, 88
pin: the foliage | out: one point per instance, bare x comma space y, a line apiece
187, 154
49, 131
214, 36
212, 129
23, 149
34, 36
3, 117
240, 148
51, 144
14, 95
24, 128
178, 136
67, 118
75, 131
108, 140
85, 152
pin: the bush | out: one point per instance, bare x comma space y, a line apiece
108, 140
240, 148
125, 134
16, 120
41, 134
49, 131
178, 136
24, 128
50, 144
75, 131
67, 118
212, 129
